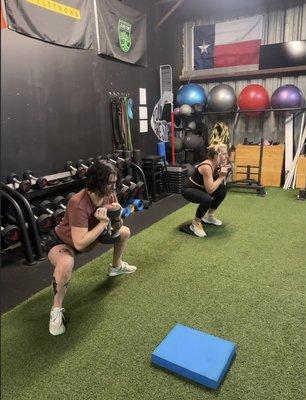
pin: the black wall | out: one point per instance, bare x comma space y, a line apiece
55, 100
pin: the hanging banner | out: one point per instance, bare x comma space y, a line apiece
121, 32
283, 55
66, 23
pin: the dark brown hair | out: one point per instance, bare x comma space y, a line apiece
97, 177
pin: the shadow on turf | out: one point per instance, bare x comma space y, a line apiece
32, 334
224, 231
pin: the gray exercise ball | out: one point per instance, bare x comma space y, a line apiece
193, 142
185, 109
222, 98
178, 144
192, 125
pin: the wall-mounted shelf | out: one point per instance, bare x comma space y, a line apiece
203, 76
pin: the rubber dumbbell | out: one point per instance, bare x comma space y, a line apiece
44, 221
61, 202
10, 234
83, 164
78, 172
90, 161
126, 212
69, 196
123, 192
114, 214
23, 186
40, 182
136, 203
131, 185
119, 163
47, 207
109, 235
138, 187
127, 160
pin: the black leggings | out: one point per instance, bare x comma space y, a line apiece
205, 200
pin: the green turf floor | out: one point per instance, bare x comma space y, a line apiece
245, 282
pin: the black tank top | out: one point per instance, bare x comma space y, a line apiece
197, 177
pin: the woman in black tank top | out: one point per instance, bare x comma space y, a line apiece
206, 187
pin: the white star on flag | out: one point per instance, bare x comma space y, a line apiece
204, 47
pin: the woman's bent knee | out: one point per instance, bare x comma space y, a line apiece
125, 232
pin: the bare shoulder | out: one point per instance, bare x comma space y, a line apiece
205, 169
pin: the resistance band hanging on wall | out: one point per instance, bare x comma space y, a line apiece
121, 112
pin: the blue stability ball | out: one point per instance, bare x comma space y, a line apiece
191, 94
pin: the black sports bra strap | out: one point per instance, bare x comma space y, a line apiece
205, 163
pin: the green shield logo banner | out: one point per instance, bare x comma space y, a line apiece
121, 31
124, 34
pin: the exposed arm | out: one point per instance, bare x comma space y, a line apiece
82, 237
209, 183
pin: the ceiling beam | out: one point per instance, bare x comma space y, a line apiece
168, 13
164, 1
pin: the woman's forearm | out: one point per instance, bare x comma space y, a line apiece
215, 185
91, 236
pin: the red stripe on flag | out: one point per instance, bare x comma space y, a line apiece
3, 21
241, 53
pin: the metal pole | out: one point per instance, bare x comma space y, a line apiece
172, 139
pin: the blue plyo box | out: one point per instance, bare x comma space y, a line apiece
195, 355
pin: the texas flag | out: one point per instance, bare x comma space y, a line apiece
228, 44
3, 16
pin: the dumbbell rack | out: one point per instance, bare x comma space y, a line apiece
60, 183
20, 203
21, 206
51, 189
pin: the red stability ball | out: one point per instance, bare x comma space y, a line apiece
253, 97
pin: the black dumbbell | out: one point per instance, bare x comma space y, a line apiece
24, 186
69, 195
40, 182
78, 172
83, 164
47, 207
61, 202
136, 188
123, 192
10, 234
110, 235
119, 163
44, 221
119, 156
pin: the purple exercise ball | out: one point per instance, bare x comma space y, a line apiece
287, 96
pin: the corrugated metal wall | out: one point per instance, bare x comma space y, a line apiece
279, 26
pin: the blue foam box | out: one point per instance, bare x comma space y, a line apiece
195, 355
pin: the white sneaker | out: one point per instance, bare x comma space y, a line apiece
197, 229
210, 219
56, 324
124, 268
